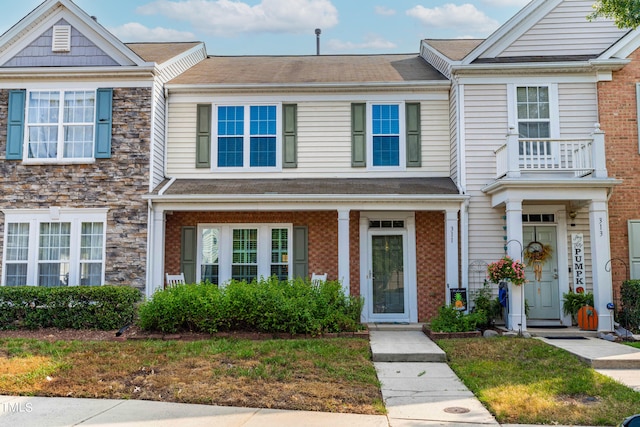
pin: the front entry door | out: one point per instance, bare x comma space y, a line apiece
387, 277
542, 293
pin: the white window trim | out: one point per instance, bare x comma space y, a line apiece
36, 216
554, 108
58, 160
402, 140
225, 248
246, 152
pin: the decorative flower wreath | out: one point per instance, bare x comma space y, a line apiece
537, 252
506, 269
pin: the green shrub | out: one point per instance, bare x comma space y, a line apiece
484, 301
629, 314
269, 305
77, 307
451, 320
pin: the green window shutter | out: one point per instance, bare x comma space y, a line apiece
290, 135
188, 250
414, 144
104, 104
300, 252
358, 135
15, 125
203, 138
634, 248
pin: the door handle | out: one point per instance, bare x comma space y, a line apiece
555, 276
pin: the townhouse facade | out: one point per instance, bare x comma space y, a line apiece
82, 128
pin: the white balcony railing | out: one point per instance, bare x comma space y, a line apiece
578, 156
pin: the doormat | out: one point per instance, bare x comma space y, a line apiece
567, 338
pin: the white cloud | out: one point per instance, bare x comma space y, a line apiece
463, 18
384, 11
228, 17
371, 42
135, 32
506, 3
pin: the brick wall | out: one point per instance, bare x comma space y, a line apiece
617, 108
117, 183
323, 246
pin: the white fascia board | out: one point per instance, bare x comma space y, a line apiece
168, 63
23, 76
504, 36
421, 85
204, 98
553, 187
623, 47
298, 199
279, 206
78, 19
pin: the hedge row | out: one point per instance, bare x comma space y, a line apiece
629, 315
76, 307
294, 306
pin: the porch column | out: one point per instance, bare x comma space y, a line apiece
451, 251
156, 252
343, 250
600, 255
598, 153
513, 153
517, 320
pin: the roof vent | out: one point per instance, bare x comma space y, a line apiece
61, 40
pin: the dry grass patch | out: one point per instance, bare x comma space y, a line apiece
526, 381
334, 375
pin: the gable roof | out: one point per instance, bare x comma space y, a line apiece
50, 12
328, 69
454, 49
161, 52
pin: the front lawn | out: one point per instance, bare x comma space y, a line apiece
333, 375
526, 381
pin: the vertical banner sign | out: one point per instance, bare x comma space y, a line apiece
577, 259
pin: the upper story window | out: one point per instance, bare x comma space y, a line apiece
60, 124
534, 112
247, 136
385, 125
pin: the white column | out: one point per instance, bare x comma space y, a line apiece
517, 320
598, 153
343, 249
157, 252
600, 255
451, 251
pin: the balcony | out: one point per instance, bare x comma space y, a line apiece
570, 157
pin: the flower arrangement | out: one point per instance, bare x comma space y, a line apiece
507, 269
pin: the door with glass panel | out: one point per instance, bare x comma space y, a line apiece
387, 279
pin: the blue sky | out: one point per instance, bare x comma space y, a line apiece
286, 27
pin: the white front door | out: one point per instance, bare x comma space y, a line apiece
387, 276
541, 292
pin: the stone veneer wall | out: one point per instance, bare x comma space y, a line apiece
117, 183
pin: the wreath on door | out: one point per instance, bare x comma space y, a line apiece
536, 255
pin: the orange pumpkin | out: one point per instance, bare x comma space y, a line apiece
588, 318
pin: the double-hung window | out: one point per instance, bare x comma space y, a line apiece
247, 136
60, 125
386, 136
243, 252
533, 104
53, 248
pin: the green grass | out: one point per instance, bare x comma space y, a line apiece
282, 374
526, 381
632, 344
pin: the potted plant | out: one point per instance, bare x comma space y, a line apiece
507, 270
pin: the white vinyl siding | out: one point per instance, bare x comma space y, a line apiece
566, 31
324, 143
578, 105
169, 71
453, 130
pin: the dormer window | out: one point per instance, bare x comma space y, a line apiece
61, 38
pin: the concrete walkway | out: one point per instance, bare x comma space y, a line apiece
418, 387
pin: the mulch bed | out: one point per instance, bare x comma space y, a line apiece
135, 333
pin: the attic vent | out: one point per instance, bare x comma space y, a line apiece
61, 40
